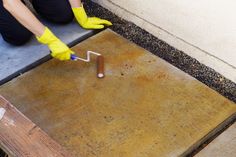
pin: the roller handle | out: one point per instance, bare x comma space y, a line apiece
100, 64
73, 57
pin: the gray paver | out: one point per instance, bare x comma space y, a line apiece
13, 58
223, 146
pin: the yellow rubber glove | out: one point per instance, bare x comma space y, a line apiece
58, 49
89, 22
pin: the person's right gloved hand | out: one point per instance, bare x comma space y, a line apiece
58, 49
89, 22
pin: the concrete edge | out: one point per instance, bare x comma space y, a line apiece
199, 145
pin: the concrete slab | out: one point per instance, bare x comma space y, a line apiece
223, 146
14, 59
143, 107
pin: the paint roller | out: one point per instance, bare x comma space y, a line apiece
100, 62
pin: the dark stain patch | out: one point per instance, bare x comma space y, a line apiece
108, 119
144, 79
32, 130
161, 75
128, 66
151, 61
163, 50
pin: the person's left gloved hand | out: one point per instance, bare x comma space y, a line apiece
58, 49
89, 22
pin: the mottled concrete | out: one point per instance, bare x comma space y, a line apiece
223, 146
13, 59
165, 51
144, 107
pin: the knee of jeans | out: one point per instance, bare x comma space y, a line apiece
64, 18
18, 39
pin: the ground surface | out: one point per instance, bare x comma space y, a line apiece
165, 51
143, 107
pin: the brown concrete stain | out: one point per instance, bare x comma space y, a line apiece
144, 107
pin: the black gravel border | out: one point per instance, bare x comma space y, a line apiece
178, 58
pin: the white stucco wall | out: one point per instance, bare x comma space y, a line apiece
205, 30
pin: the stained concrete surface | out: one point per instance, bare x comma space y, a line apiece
143, 107
13, 58
162, 49
223, 146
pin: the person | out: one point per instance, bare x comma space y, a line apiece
18, 23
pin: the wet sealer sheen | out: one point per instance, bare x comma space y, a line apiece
100, 62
